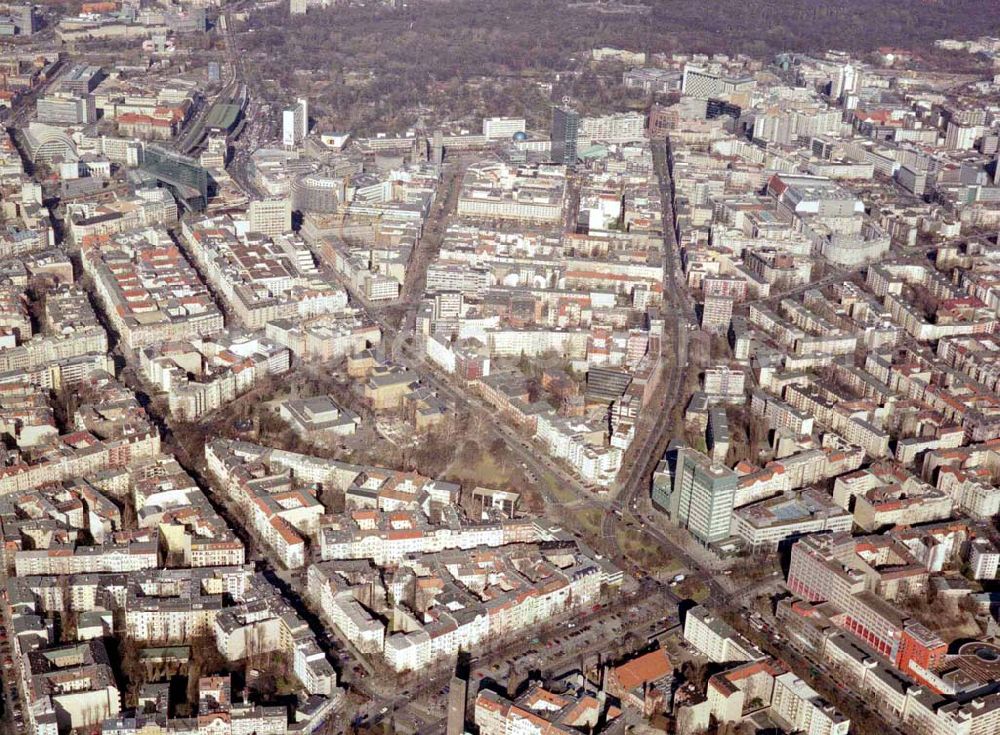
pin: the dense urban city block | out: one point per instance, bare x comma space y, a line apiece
519, 368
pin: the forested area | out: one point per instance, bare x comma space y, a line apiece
484, 57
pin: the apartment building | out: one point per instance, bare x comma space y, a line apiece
715, 639
717, 312
798, 706
643, 683
470, 621
885, 495
387, 538
202, 375
541, 711
260, 278
340, 604
581, 444
71, 330
107, 558
84, 454
724, 384
283, 516
147, 289
110, 216
73, 686
984, 559
736, 692
926, 713
270, 625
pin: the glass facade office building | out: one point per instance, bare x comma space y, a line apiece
565, 130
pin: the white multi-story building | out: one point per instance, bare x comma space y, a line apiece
295, 124
984, 559
624, 127
766, 524
533, 342
502, 128
960, 137
797, 705
494, 190
325, 337
356, 624
440, 353
384, 547
715, 639
270, 625
724, 384
925, 713
581, 445
271, 217
87, 559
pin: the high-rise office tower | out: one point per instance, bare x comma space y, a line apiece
702, 496
565, 129
437, 148
458, 693
846, 81
295, 123
23, 18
